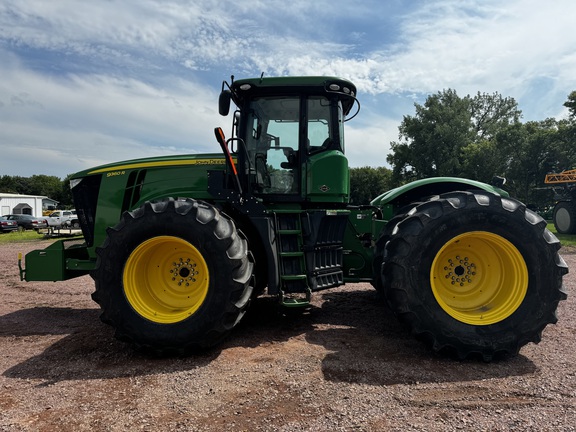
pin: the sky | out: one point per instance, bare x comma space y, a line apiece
87, 83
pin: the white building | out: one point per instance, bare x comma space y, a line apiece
21, 204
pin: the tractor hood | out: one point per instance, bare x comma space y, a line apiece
116, 168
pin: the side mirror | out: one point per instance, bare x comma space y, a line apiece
224, 102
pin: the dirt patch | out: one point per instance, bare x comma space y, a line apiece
346, 364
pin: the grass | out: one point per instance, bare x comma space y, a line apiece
19, 237
565, 239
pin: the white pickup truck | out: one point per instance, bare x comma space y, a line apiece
63, 219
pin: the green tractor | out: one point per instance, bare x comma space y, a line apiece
178, 246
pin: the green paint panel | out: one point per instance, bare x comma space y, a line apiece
51, 264
328, 178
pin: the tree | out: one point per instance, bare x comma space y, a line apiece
453, 136
42, 185
531, 151
571, 104
491, 113
432, 139
66, 193
16, 185
7, 185
367, 183
482, 161
49, 186
567, 136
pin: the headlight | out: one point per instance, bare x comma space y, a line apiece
74, 183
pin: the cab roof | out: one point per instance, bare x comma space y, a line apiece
266, 86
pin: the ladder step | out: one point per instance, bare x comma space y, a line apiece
291, 254
289, 231
294, 289
296, 300
293, 303
293, 277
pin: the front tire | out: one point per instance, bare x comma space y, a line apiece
474, 274
173, 276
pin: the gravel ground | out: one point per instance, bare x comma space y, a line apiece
344, 365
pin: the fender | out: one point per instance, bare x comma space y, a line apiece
389, 202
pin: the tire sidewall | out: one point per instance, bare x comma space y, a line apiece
512, 226
220, 269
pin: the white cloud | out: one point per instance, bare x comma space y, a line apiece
466, 45
369, 145
487, 46
98, 118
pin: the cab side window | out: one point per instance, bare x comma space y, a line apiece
318, 126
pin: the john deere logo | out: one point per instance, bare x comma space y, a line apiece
324, 188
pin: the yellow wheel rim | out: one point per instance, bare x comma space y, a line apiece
166, 279
479, 278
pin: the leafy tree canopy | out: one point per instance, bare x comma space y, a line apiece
367, 183
42, 185
571, 104
480, 137
448, 135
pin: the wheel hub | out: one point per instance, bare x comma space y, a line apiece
166, 279
459, 270
183, 272
479, 278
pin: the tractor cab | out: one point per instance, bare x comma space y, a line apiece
288, 137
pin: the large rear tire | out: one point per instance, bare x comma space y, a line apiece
380, 247
173, 277
379, 252
474, 274
565, 217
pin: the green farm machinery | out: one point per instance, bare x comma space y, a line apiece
179, 246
